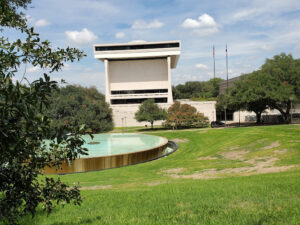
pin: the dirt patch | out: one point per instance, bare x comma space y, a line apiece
174, 171
294, 141
207, 158
279, 152
258, 165
177, 140
202, 131
96, 187
261, 140
272, 145
234, 147
156, 183
234, 155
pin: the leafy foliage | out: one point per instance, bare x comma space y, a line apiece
185, 116
249, 93
274, 86
197, 89
24, 125
284, 73
75, 105
149, 111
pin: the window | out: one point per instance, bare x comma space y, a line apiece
150, 91
221, 115
135, 47
137, 101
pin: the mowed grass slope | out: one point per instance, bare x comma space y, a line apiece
217, 176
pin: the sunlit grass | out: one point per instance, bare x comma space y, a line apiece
146, 194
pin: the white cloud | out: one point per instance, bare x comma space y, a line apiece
267, 47
204, 20
190, 23
201, 66
205, 25
120, 35
81, 37
33, 69
142, 24
41, 23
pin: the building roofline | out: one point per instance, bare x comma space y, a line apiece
137, 43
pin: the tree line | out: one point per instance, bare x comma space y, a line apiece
276, 85
197, 90
76, 105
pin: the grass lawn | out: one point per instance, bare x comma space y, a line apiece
217, 176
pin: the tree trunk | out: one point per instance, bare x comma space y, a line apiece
285, 114
151, 124
258, 117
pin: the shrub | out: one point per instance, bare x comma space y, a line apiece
185, 116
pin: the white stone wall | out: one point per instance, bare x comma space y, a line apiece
242, 115
126, 113
138, 74
207, 108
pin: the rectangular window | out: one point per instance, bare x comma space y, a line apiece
135, 47
150, 91
221, 115
136, 101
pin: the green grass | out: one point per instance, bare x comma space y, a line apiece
147, 194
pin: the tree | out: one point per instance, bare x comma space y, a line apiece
78, 105
248, 93
149, 111
185, 116
284, 79
274, 86
24, 125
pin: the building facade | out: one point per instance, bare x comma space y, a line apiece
137, 71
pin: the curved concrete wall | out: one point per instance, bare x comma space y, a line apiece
107, 162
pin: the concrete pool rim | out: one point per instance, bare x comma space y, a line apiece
159, 153
165, 143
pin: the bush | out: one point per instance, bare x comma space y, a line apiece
185, 116
76, 105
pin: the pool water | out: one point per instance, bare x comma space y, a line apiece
119, 143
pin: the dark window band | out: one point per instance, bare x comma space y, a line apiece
150, 91
137, 100
135, 47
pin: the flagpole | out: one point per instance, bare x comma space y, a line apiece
227, 65
214, 61
226, 83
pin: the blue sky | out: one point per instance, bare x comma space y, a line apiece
254, 30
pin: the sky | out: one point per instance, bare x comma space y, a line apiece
253, 31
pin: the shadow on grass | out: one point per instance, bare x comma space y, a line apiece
42, 214
80, 222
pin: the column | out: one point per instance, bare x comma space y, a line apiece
170, 95
107, 84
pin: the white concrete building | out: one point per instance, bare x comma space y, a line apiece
136, 71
